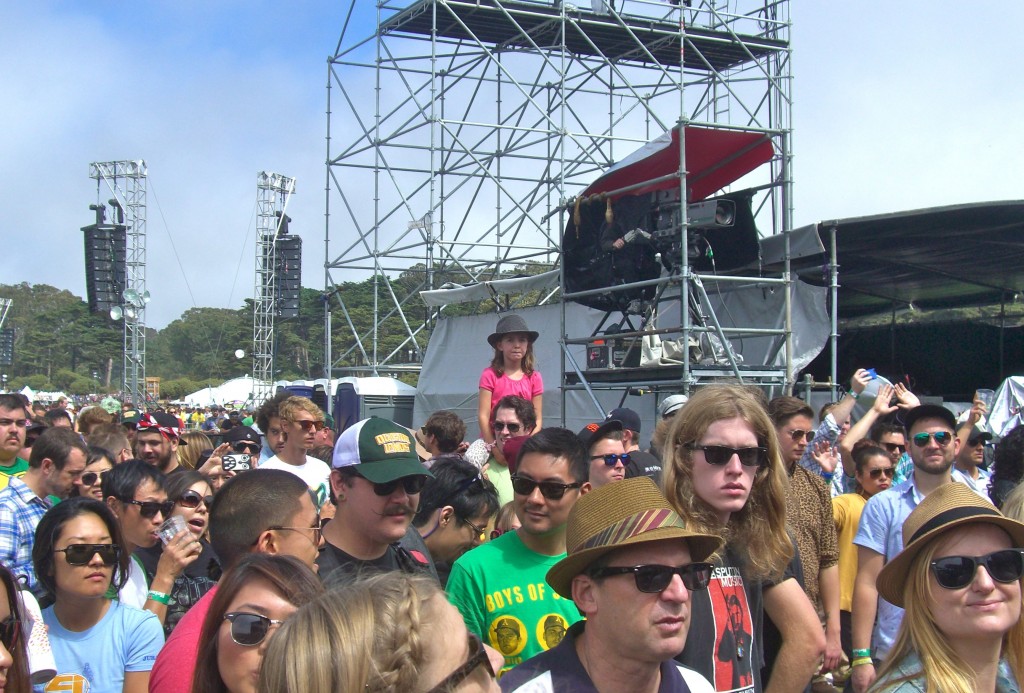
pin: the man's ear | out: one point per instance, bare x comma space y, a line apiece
583, 594
267, 543
447, 515
586, 488
114, 505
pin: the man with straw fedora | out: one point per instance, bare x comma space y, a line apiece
630, 567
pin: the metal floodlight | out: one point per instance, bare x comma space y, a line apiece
130, 296
116, 313
145, 297
129, 312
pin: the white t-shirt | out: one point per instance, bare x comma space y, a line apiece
136, 587
314, 472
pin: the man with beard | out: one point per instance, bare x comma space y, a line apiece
375, 483
933, 447
156, 441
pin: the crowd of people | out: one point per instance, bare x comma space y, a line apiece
757, 545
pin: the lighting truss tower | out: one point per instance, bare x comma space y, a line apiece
459, 130
125, 182
273, 191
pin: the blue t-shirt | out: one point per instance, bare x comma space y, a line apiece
126, 639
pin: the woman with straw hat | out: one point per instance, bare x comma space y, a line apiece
959, 580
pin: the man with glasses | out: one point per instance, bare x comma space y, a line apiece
971, 457
633, 569
262, 511
299, 420
513, 416
376, 482
57, 459
13, 431
642, 463
606, 454
933, 448
500, 585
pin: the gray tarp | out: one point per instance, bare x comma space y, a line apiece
458, 352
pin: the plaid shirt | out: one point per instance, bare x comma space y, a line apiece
20, 512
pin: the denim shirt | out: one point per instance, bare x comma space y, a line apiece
910, 667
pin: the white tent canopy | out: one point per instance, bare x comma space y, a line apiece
234, 390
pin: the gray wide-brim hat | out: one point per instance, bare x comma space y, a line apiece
509, 324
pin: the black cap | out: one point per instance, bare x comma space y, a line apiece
239, 434
629, 418
591, 433
976, 433
929, 411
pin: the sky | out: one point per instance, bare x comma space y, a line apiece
896, 106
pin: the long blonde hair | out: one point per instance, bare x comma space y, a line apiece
943, 669
375, 629
758, 531
195, 443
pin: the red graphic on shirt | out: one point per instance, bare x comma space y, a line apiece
733, 659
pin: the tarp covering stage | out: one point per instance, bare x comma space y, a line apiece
458, 352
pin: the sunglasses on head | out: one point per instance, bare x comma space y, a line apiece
411, 485
191, 500
956, 572
81, 554
10, 633
877, 473
797, 435
91, 478
719, 455
942, 438
656, 578
552, 490
611, 459
149, 509
512, 428
477, 658
893, 447
249, 629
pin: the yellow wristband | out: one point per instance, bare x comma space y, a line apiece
861, 660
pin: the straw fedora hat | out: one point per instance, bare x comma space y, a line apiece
949, 506
509, 324
624, 513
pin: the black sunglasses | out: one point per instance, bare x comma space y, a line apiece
956, 572
191, 500
243, 447
552, 490
90, 478
412, 485
719, 455
249, 629
942, 438
877, 473
611, 459
10, 633
893, 447
477, 658
149, 509
512, 428
656, 578
81, 554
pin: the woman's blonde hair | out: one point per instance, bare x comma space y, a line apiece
943, 669
195, 443
1013, 505
758, 531
376, 630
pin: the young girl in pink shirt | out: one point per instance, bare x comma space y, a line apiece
512, 371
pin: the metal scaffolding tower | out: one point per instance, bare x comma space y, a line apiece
460, 131
273, 191
125, 183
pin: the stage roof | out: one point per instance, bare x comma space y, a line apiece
942, 257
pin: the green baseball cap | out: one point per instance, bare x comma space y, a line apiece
380, 450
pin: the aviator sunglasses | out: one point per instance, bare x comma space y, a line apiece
877, 473
81, 554
720, 455
552, 490
956, 572
513, 428
942, 438
91, 478
249, 629
656, 578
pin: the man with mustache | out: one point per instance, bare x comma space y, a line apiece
376, 479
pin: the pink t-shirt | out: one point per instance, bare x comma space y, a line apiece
174, 666
527, 387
